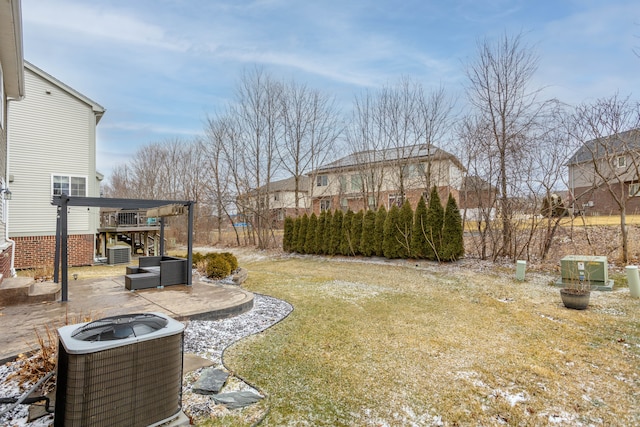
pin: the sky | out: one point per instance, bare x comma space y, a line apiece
160, 67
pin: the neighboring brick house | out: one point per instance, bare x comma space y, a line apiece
477, 199
282, 199
370, 179
12, 89
53, 151
610, 161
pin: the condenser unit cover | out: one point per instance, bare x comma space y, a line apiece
120, 370
118, 254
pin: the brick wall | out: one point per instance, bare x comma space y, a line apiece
603, 202
39, 251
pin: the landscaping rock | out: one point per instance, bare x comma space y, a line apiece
211, 381
237, 399
240, 276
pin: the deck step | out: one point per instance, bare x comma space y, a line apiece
25, 290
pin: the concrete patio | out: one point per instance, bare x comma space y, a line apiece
97, 298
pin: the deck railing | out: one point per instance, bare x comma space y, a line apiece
126, 219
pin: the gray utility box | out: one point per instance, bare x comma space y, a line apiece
585, 268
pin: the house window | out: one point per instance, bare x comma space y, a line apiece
396, 199
69, 185
356, 183
413, 170
621, 161
276, 197
343, 183
372, 202
322, 181
344, 203
634, 189
325, 205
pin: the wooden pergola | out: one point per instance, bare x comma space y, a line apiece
64, 201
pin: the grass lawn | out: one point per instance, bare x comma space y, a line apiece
395, 344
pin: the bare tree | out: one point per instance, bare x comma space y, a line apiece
311, 128
478, 193
435, 120
499, 90
399, 115
367, 141
258, 113
608, 162
120, 183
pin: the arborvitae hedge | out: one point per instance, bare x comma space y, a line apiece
294, 235
326, 238
288, 234
345, 243
368, 239
405, 227
452, 238
430, 232
433, 228
356, 232
381, 217
302, 234
310, 240
391, 237
418, 239
320, 232
336, 233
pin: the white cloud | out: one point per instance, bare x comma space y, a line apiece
153, 128
96, 20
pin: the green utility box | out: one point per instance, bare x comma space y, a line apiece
593, 269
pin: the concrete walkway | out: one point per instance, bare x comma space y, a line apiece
98, 298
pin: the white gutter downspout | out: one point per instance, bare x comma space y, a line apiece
6, 180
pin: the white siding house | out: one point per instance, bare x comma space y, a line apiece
11, 89
52, 151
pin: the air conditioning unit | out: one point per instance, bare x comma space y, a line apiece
118, 254
119, 371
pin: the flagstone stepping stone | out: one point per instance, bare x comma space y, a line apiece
211, 381
237, 399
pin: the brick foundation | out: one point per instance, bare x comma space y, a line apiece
39, 251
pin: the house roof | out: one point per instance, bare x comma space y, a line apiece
475, 183
97, 108
288, 184
11, 53
618, 143
389, 155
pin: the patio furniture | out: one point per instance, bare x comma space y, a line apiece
156, 271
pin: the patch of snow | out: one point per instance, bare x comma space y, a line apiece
514, 399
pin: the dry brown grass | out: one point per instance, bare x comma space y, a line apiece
34, 366
388, 344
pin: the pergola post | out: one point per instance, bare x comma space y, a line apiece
190, 245
56, 256
64, 254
